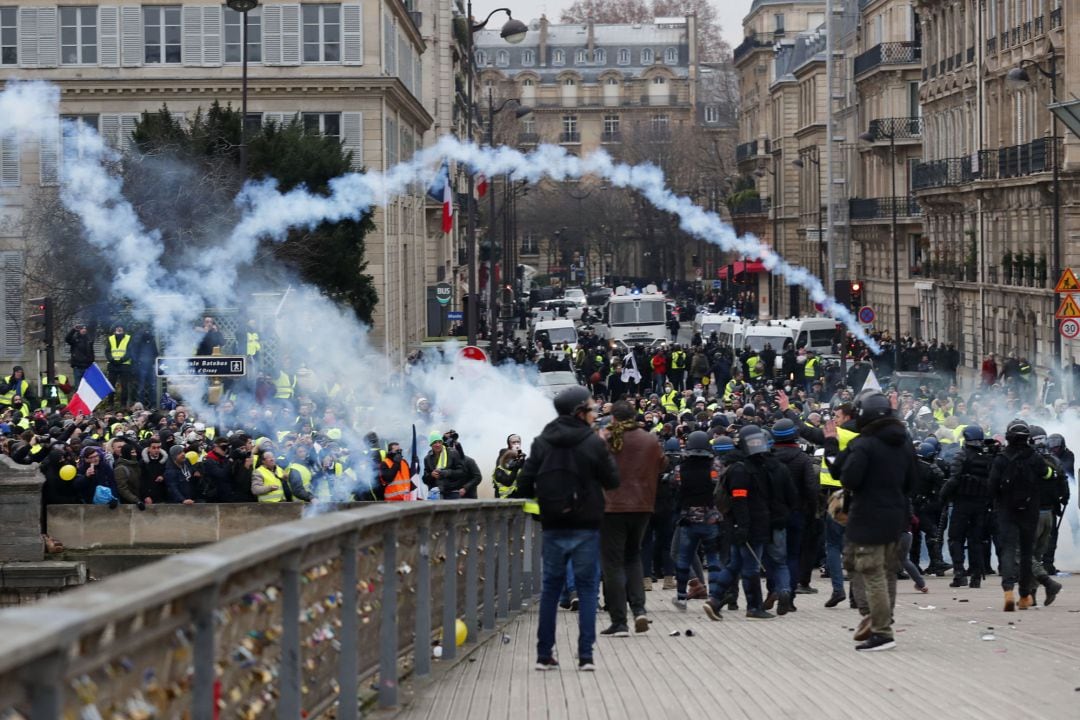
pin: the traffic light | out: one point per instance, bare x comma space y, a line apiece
41, 329
842, 292
856, 294
506, 303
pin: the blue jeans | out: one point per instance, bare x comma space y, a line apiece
581, 548
834, 548
778, 576
794, 546
741, 564
689, 537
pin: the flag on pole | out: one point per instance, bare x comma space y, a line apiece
441, 191
93, 388
481, 185
419, 491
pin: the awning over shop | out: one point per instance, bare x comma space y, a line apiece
742, 267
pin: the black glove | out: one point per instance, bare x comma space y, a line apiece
113, 504
141, 505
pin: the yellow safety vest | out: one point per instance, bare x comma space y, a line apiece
61, 396
253, 344
753, 364
531, 506
810, 370
5, 399
305, 474
670, 401
843, 436
284, 386
729, 389
118, 352
272, 479
678, 360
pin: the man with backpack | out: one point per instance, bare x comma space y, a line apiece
1014, 484
567, 471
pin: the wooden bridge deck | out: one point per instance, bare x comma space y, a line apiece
799, 666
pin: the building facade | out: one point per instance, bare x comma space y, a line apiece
351, 70
996, 173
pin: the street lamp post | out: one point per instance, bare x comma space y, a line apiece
243, 7
812, 156
520, 112
1017, 78
891, 135
513, 32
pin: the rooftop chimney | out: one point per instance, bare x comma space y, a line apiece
543, 40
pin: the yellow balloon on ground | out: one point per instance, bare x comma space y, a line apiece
67, 472
192, 457
461, 632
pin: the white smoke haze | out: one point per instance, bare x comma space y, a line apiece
28, 109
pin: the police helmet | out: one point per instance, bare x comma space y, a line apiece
752, 440
723, 444
1038, 435
973, 435
926, 450
870, 406
697, 445
1018, 433
671, 447
1055, 441
784, 430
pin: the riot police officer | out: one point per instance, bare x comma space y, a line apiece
926, 501
968, 488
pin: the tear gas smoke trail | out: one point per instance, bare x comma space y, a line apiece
270, 213
28, 109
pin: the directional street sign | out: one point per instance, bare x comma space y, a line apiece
455, 315
1067, 283
1070, 328
208, 366
1069, 309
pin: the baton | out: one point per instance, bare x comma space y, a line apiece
754, 555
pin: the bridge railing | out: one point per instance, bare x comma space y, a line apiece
292, 620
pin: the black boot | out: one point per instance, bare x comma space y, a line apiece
1053, 587
975, 582
754, 602
959, 580
938, 566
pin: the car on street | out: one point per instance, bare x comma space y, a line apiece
553, 383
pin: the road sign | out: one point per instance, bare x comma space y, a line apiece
455, 315
717, 284
867, 315
1069, 309
208, 366
1070, 328
471, 352
443, 292
1067, 283
819, 307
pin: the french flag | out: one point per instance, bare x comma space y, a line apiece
93, 388
440, 190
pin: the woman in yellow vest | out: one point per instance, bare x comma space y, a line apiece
268, 482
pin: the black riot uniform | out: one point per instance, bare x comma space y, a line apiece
968, 489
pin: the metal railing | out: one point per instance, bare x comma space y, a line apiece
570, 137
882, 208
528, 138
611, 137
971, 54
1040, 25
942, 173
745, 151
292, 619
903, 128
752, 206
890, 53
1037, 156
991, 46
1055, 18
747, 46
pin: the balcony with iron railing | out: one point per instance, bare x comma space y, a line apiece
746, 150
942, 173
611, 137
901, 128
1040, 25
991, 46
528, 138
882, 208
1037, 156
747, 46
570, 137
752, 206
1055, 18
890, 53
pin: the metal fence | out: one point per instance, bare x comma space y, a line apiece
295, 621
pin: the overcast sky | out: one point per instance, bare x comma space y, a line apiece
731, 12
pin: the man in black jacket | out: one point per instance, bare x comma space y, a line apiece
444, 469
81, 344
804, 476
567, 470
877, 470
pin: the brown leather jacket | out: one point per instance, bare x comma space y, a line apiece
640, 463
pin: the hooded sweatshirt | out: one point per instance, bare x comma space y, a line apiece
879, 470
598, 471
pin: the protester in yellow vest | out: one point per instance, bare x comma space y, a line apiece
268, 482
810, 370
15, 384
119, 368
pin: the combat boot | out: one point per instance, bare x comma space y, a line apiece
959, 581
1053, 587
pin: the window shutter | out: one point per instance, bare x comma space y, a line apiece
212, 41
352, 35
127, 129
109, 36
191, 23
290, 35
10, 175
28, 37
110, 130
13, 304
275, 117
418, 79
132, 50
352, 137
179, 118
271, 34
389, 46
48, 37
49, 152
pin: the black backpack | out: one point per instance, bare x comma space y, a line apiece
1018, 489
559, 486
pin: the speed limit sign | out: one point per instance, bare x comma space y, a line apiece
1070, 328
